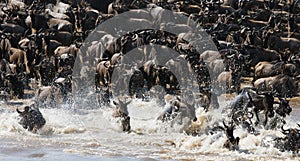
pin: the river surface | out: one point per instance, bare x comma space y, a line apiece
92, 134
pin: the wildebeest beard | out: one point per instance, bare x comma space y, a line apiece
32, 119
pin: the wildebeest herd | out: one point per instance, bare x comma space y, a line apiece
258, 39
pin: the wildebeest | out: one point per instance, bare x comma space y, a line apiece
64, 37
5, 46
150, 75
225, 78
121, 111
283, 108
15, 84
248, 22
57, 15
281, 85
45, 72
18, 57
104, 70
12, 28
278, 43
255, 55
181, 68
31, 119
71, 49
103, 78
216, 18
178, 108
291, 141
54, 95
95, 4
232, 143
136, 84
210, 55
267, 69
250, 98
257, 101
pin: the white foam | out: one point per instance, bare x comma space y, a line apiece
95, 132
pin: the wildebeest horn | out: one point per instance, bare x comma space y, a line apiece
19, 111
225, 124
26, 109
230, 56
8, 75
231, 124
250, 116
4, 35
115, 103
264, 92
285, 131
5, 10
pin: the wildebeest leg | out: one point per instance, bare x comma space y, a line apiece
266, 118
39, 77
257, 117
126, 123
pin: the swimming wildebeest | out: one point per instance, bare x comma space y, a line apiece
31, 119
291, 141
178, 107
232, 142
122, 112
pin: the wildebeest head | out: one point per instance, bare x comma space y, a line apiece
291, 140
229, 130
115, 59
291, 131
31, 118
136, 84
65, 60
232, 142
284, 107
14, 82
